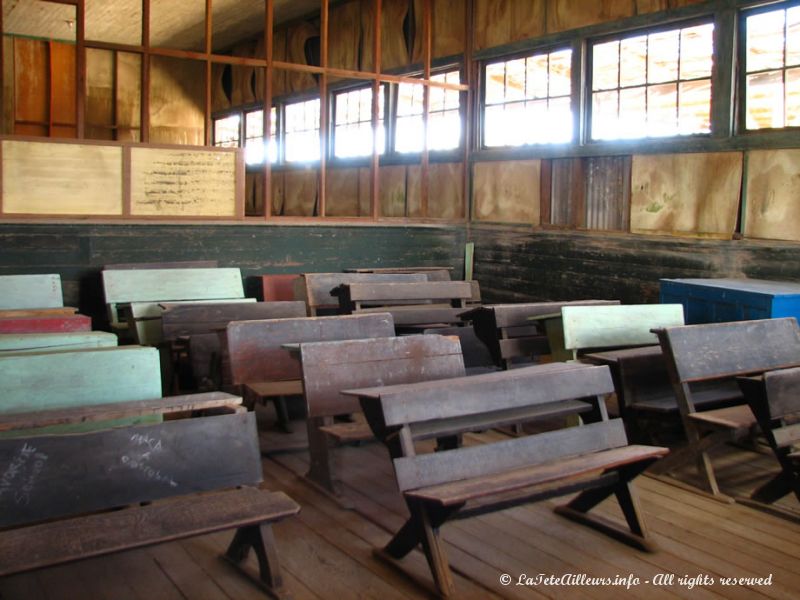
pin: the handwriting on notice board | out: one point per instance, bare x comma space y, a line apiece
182, 182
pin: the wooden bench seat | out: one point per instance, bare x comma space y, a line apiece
315, 288
46, 324
256, 363
154, 286
412, 305
53, 342
508, 332
192, 335
459, 482
330, 367
70, 497
718, 352
774, 398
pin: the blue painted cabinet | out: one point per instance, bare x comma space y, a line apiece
719, 300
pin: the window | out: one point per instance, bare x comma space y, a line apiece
527, 100
301, 132
353, 135
772, 69
653, 85
226, 131
254, 137
444, 117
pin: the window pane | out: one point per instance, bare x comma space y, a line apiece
662, 110
559, 120
765, 41
560, 73
353, 134
793, 37
254, 137
444, 130
697, 48
226, 131
495, 83
633, 107
793, 98
633, 61
662, 56
765, 100
302, 141
694, 109
537, 74
605, 66
515, 80
604, 115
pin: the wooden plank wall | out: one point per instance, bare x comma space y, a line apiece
514, 265
77, 252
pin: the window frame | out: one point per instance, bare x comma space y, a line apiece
551, 48
333, 95
740, 102
677, 25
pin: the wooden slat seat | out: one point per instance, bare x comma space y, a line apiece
54, 342
30, 291
460, 482
46, 324
97, 492
717, 352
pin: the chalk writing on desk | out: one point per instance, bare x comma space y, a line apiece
19, 478
144, 447
183, 182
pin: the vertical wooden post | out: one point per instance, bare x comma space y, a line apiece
269, 72
80, 71
375, 173
467, 109
323, 109
426, 94
144, 119
208, 48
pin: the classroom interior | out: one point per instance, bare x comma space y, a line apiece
549, 150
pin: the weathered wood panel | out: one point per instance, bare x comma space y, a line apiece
448, 28
300, 193
31, 98
61, 179
344, 36
183, 182
507, 191
99, 94
48, 476
8, 84
394, 49
342, 193
177, 101
144, 285
445, 191
502, 21
392, 191
571, 14
696, 194
62, 90
297, 37
772, 192
129, 96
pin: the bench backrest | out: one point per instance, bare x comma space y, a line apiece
315, 288
621, 326
186, 264
452, 405
475, 352
191, 319
40, 381
51, 476
46, 324
721, 350
253, 350
154, 285
376, 294
30, 291
433, 273
330, 367
51, 342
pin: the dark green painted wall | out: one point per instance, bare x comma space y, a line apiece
515, 265
77, 252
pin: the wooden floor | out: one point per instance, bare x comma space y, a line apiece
326, 550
